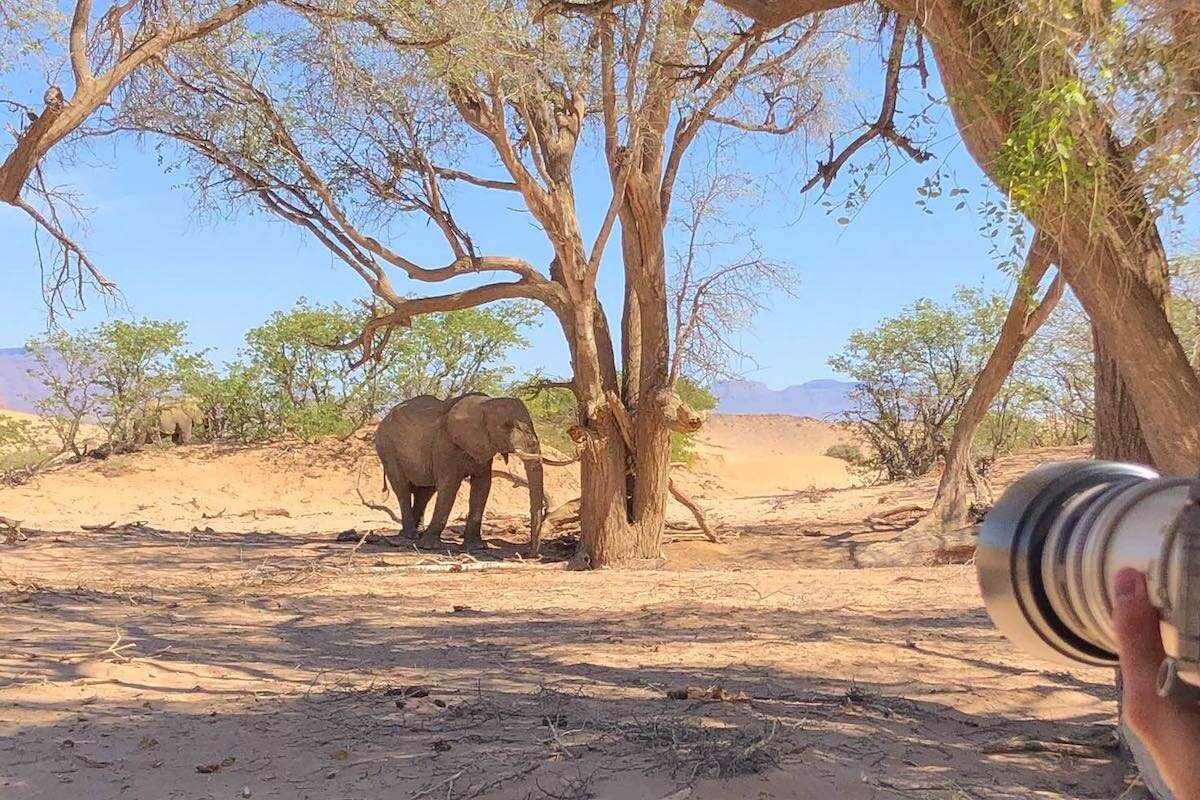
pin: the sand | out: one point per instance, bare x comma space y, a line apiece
216, 641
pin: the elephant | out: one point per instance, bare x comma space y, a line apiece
429, 447
173, 418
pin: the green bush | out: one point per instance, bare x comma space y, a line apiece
108, 376
852, 454
233, 405
286, 380
21, 444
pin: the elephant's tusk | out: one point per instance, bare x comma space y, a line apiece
550, 462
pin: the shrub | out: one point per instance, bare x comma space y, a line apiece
852, 454
108, 376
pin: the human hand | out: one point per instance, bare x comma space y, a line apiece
1169, 730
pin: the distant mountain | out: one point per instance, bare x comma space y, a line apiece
821, 399
18, 391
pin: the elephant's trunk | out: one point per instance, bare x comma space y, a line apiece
537, 499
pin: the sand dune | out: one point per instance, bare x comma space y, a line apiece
772, 453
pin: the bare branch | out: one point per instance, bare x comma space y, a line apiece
69, 246
884, 127
466, 177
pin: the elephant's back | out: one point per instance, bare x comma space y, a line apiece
406, 434
419, 410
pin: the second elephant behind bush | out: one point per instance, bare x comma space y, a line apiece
175, 418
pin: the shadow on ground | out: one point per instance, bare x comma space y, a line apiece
352, 695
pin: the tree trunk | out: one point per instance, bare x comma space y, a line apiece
631, 340
1196, 341
1118, 435
651, 431
958, 486
606, 537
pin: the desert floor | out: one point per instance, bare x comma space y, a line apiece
207, 636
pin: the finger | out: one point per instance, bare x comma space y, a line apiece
1135, 619
1139, 647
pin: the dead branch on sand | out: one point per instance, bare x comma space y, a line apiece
1096, 750
124, 527
112, 651
470, 566
12, 531
897, 519
373, 506
690, 504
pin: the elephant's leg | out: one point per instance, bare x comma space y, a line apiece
481, 486
446, 492
184, 429
404, 492
421, 497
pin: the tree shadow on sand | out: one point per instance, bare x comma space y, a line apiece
349, 696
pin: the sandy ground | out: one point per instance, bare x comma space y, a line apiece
217, 642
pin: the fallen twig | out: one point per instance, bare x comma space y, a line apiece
113, 650
1099, 751
448, 783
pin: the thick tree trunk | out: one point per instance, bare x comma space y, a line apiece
606, 537
651, 436
1118, 435
959, 482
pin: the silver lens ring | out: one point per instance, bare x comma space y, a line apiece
1087, 549
1063, 555
1009, 560
1132, 532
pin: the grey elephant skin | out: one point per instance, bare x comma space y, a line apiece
173, 419
428, 447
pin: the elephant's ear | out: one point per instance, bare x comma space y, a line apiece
466, 424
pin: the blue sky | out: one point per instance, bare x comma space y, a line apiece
225, 274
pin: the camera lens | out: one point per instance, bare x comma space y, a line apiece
1049, 548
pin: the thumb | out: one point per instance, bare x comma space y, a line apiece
1135, 621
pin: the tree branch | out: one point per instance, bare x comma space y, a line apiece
884, 127
69, 246
77, 43
690, 504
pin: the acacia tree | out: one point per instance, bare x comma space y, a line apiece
959, 483
101, 48
1086, 115
366, 111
